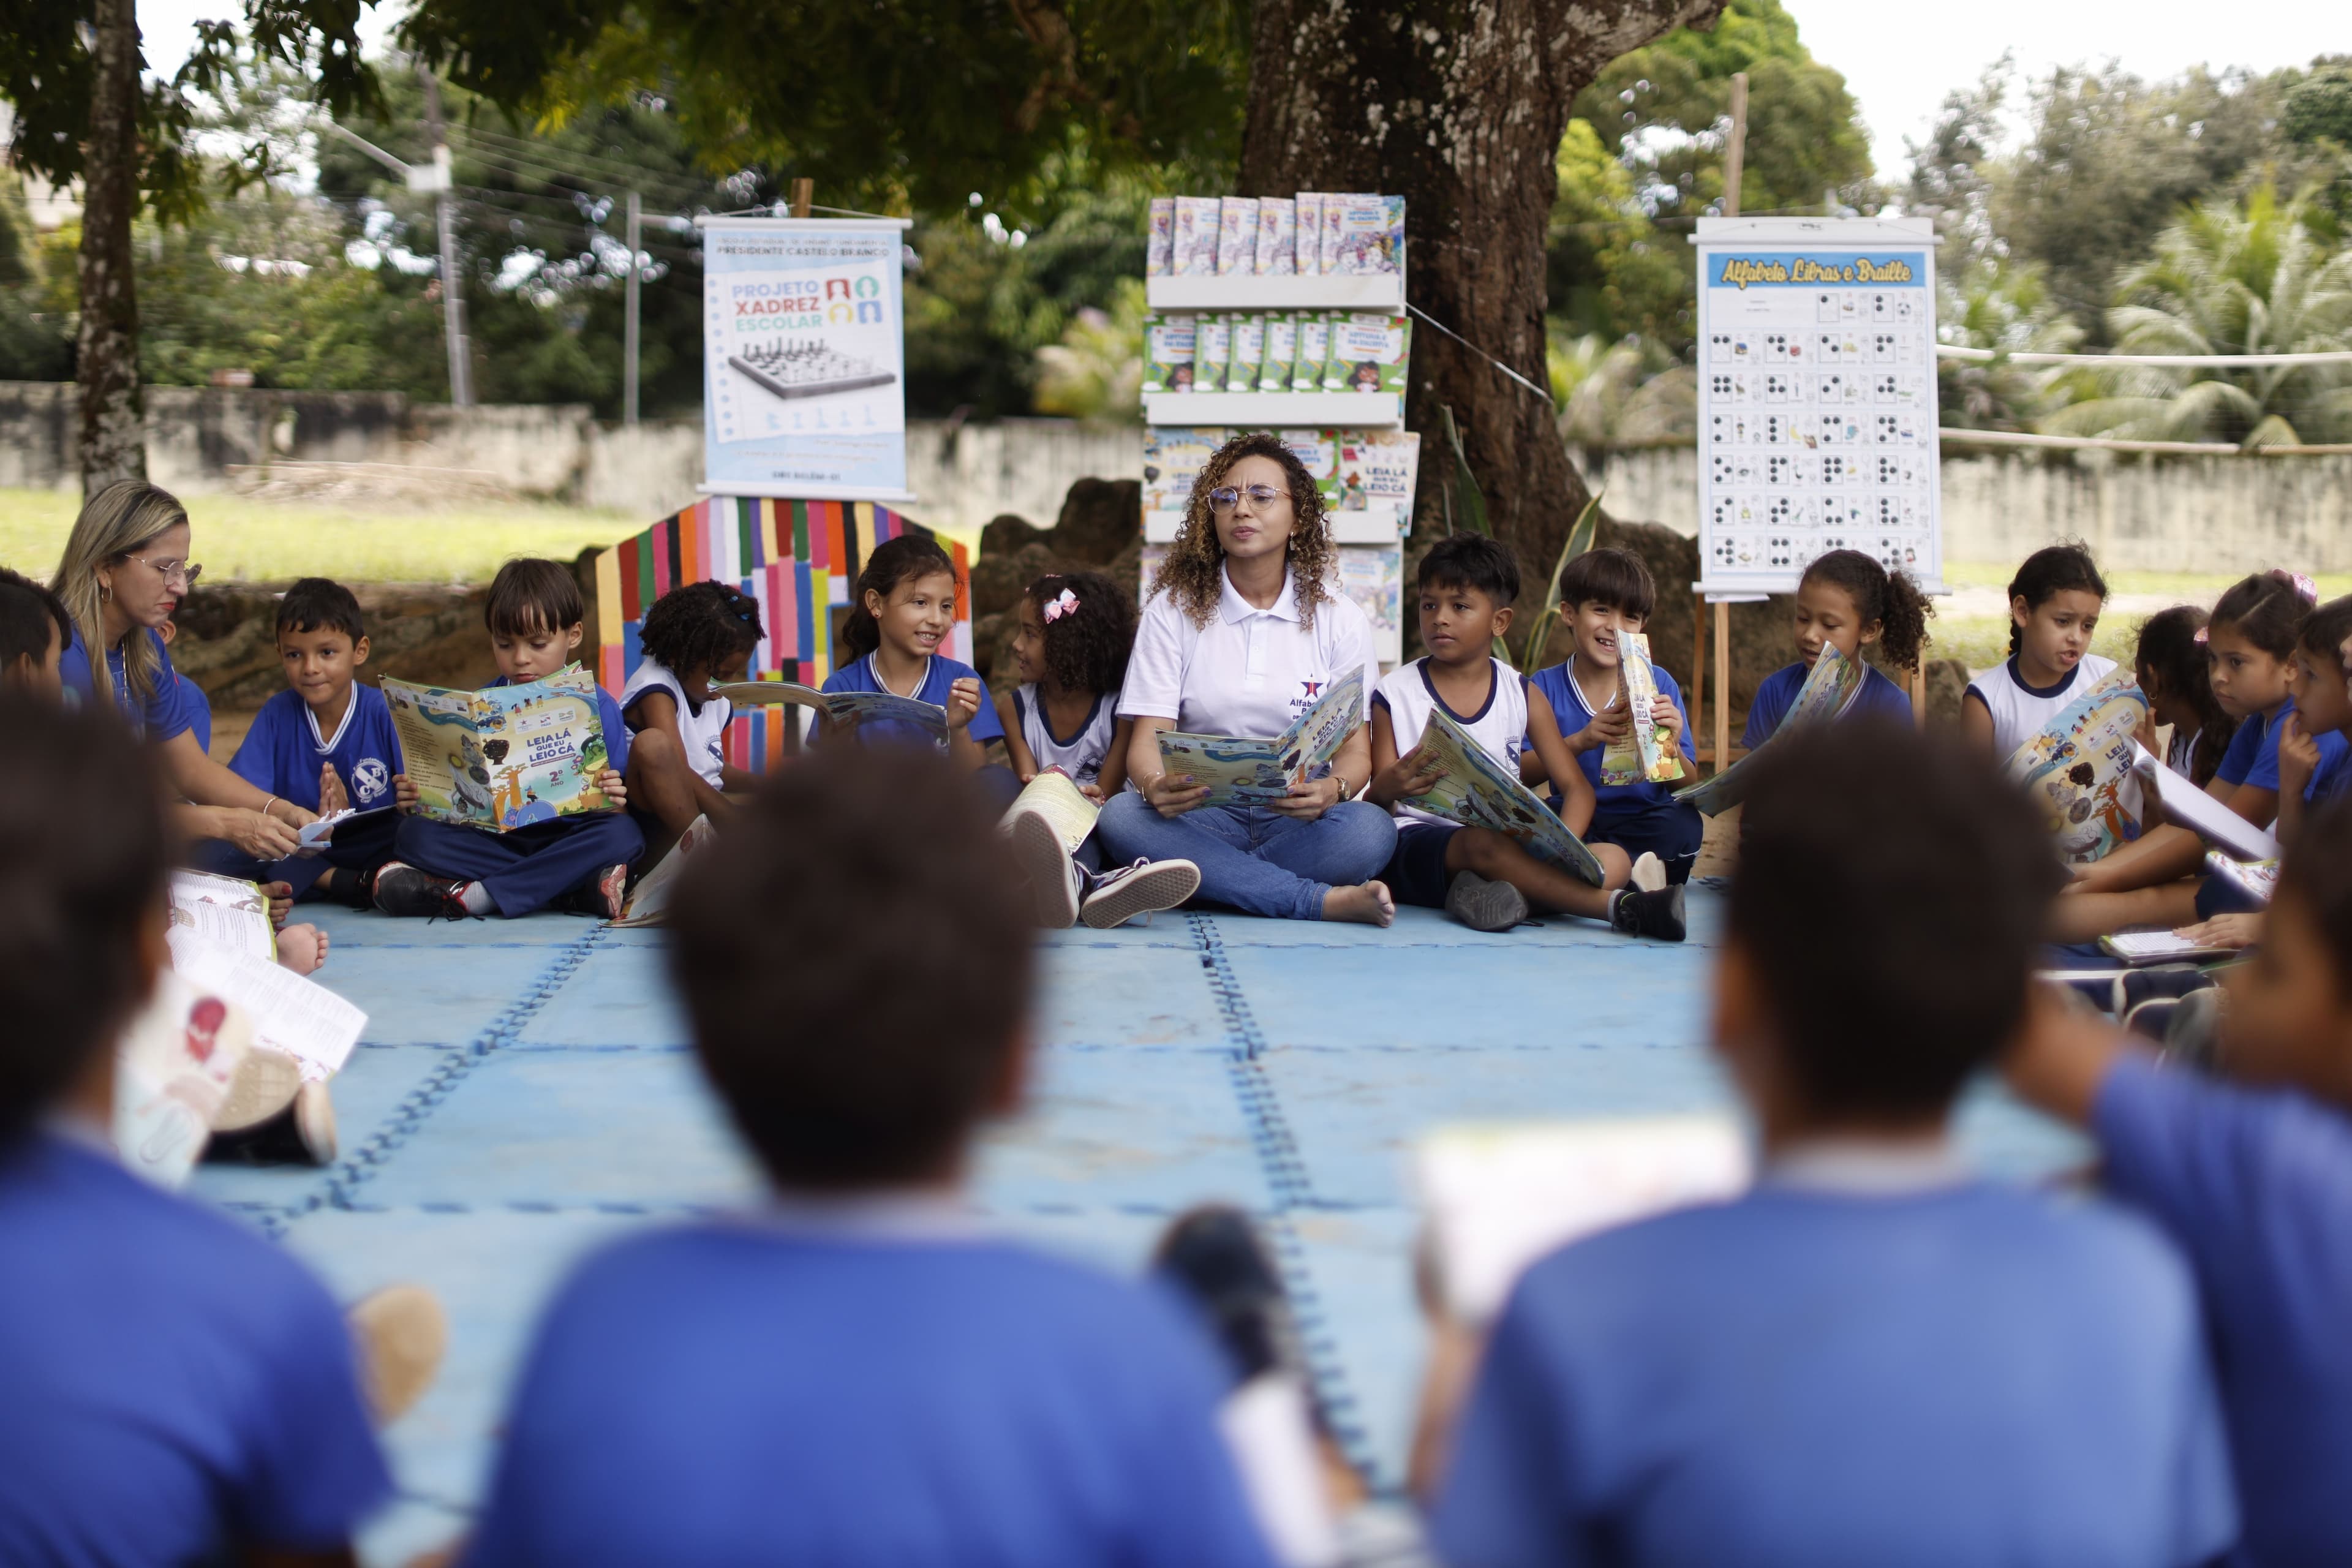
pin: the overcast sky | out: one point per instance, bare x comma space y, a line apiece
1899, 60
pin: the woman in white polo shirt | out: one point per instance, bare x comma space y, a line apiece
1244, 627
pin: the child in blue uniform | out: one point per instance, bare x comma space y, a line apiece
174, 1386
1601, 593
1849, 601
1481, 877
326, 742
902, 611
34, 631
2249, 1173
579, 864
1873, 1356
855, 1372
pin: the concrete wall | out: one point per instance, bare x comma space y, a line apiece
2152, 513
2137, 512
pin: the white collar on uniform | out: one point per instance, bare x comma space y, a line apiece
1869, 1167
1233, 609
325, 744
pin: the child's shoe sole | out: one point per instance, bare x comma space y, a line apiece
1052, 879
266, 1083
1141, 890
1649, 873
1482, 905
403, 889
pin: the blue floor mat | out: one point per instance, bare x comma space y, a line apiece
524, 1092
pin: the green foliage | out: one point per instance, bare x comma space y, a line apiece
1096, 371
1466, 507
1620, 394
2005, 306
2319, 107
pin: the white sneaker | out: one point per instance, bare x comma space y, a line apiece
1649, 873
1145, 888
1054, 879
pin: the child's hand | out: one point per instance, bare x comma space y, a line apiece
331, 797
1092, 792
2225, 931
1667, 716
2298, 756
963, 701
1410, 774
1311, 800
1607, 727
613, 787
1173, 794
404, 794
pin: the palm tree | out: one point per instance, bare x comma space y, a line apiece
1617, 394
2226, 281
2003, 305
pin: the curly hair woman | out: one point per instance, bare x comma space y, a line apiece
1243, 631
696, 636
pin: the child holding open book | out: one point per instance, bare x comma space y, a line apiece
1849, 601
697, 636
1481, 878
577, 863
1070, 649
1605, 593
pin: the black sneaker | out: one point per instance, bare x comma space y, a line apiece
1482, 905
403, 889
600, 896
1657, 915
1213, 1254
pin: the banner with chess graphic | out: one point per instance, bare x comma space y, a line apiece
1817, 398
804, 353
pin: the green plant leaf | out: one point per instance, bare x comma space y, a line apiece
1581, 534
1465, 509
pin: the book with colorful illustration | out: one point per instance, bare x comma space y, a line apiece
2078, 769
223, 910
506, 756
172, 1067
1647, 755
841, 707
1829, 689
1239, 771
1477, 791
2258, 879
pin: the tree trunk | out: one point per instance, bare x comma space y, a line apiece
1459, 106
113, 423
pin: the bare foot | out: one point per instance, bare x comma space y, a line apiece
302, 948
1367, 902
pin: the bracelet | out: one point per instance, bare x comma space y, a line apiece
268, 803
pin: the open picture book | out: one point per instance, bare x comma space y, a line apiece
225, 912
506, 756
1239, 771
1477, 791
2177, 798
1646, 756
1831, 688
838, 706
1497, 1196
222, 944
2078, 769
172, 1066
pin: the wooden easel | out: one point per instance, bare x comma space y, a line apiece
1717, 755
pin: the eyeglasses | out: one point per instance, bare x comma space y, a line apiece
187, 572
1225, 497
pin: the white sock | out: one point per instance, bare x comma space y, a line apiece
476, 898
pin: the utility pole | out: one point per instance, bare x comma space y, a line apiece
629, 319
452, 293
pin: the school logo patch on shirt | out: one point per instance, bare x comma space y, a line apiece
370, 778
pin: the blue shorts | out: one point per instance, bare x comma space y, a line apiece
2219, 896
1416, 872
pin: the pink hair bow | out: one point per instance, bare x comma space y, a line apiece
2200, 638
2303, 585
1066, 603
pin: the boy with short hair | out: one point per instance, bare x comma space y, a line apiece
1483, 878
579, 864
1605, 593
173, 1388
2250, 1174
856, 1374
34, 631
325, 742
1873, 1356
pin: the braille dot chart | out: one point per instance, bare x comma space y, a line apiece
1816, 398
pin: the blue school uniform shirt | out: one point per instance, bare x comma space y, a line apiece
2256, 1187
748, 1391
1953, 1378
160, 715
1569, 708
171, 1383
1878, 695
942, 673
2253, 756
283, 752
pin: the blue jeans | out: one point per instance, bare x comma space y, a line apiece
1252, 860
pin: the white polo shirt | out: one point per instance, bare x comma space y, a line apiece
1249, 672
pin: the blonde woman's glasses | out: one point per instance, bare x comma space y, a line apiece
187, 572
1226, 497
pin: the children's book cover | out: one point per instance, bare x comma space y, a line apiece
1213, 352
1277, 236
1168, 353
1366, 352
1477, 791
1363, 235
2258, 879
1193, 252
1314, 351
838, 706
1246, 354
505, 757
1281, 360
1644, 756
2078, 768
1173, 456
1309, 221
1236, 236
1159, 239
1831, 688
1239, 771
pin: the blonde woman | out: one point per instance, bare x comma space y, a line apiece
124, 571
1243, 628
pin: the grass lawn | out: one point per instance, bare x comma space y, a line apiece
252, 541
1973, 628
